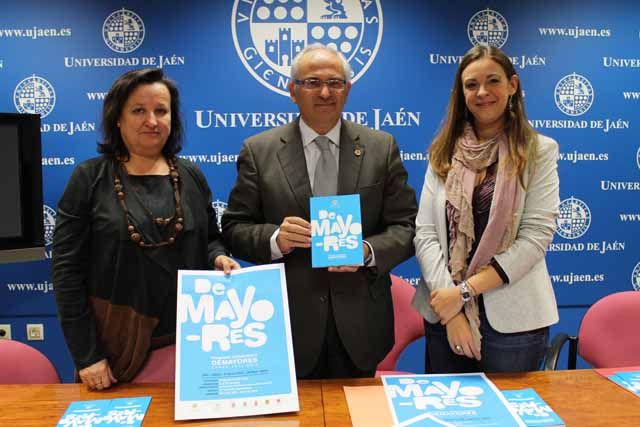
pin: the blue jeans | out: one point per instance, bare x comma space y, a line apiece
517, 352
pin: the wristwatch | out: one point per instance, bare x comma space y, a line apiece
465, 291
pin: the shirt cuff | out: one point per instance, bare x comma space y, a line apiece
275, 250
372, 261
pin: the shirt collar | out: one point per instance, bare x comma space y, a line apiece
308, 134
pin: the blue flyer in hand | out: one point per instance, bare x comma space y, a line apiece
456, 400
532, 409
129, 411
234, 352
336, 231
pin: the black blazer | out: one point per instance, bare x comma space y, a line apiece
111, 294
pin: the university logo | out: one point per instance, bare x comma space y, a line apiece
220, 207
123, 31
635, 277
638, 157
574, 219
269, 33
488, 27
574, 94
34, 95
49, 216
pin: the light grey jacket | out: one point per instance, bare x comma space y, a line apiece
527, 302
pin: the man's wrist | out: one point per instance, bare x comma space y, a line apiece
369, 257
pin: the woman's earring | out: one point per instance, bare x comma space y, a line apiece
510, 104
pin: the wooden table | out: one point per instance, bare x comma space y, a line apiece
582, 398
43, 405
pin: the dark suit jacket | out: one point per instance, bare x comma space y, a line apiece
273, 183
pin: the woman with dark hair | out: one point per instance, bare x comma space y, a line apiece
126, 222
487, 215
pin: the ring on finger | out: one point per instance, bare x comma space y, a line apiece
458, 349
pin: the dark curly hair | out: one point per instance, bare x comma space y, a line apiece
112, 144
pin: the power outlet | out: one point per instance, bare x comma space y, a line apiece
5, 332
35, 332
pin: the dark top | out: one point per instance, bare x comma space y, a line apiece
155, 193
481, 206
112, 295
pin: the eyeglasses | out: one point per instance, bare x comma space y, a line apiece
316, 84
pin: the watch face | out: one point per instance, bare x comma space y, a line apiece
464, 291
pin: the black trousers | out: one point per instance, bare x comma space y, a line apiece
334, 361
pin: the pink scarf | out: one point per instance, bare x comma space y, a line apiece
469, 158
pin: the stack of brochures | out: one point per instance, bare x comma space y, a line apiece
532, 409
128, 411
629, 380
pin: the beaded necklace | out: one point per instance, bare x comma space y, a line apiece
176, 218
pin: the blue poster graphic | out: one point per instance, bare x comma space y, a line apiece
629, 380
532, 409
234, 351
447, 400
336, 231
577, 62
129, 411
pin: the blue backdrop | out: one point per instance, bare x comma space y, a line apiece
578, 62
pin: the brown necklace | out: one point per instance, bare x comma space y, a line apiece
176, 218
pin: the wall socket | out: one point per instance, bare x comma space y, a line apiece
35, 332
5, 332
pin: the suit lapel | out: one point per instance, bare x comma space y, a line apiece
294, 165
352, 151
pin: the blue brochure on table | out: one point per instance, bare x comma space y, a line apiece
336, 231
629, 380
234, 353
532, 409
129, 411
447, 400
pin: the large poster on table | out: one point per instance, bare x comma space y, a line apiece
234, 353
448, 400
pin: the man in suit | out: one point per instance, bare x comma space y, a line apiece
341, 317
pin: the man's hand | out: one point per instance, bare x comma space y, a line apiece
351, 268
97, 376
295, 232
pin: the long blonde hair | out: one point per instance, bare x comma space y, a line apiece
521, 136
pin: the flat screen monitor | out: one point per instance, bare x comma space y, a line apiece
21, 223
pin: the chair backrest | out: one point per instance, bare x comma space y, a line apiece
408, 323
160, 367
608, 335
23, 364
